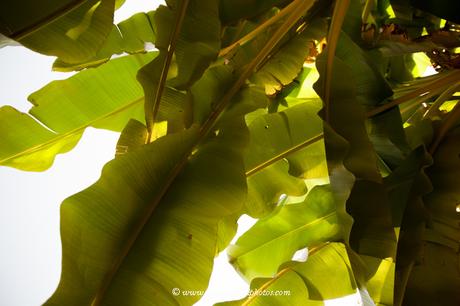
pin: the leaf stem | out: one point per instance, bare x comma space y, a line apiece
340, 10
260, 29
151, 113
449, 79
282, 155
441, 99
368, 7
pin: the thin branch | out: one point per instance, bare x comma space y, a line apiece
419, 100
260, 29
340, 10
449, 79
151, 113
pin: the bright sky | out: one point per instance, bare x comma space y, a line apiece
30, 254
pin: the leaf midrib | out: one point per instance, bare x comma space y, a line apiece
278, 276
61, 136
18, 35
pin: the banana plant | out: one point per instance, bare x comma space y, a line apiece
313, 116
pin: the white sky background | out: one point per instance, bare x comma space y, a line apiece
30, 249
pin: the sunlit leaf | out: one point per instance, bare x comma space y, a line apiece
128, 36
128, 198
31, 147
274, 239
325, 275
273, 135
287, 63
73, 30
106, 97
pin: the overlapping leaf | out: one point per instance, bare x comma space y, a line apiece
27, 145
372, 232
124, 238
73, 31
406, 185
385, 130
362, 162
188, 30
145, 231
265, 189
146, 180
106, 97
274, 239
127, 36
435, 278
325, 275
272, 135
287, 63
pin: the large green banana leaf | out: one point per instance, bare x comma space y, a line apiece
215, 146
70, 30
146, 204
125, 237
326, 274
274, 239
105, 97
